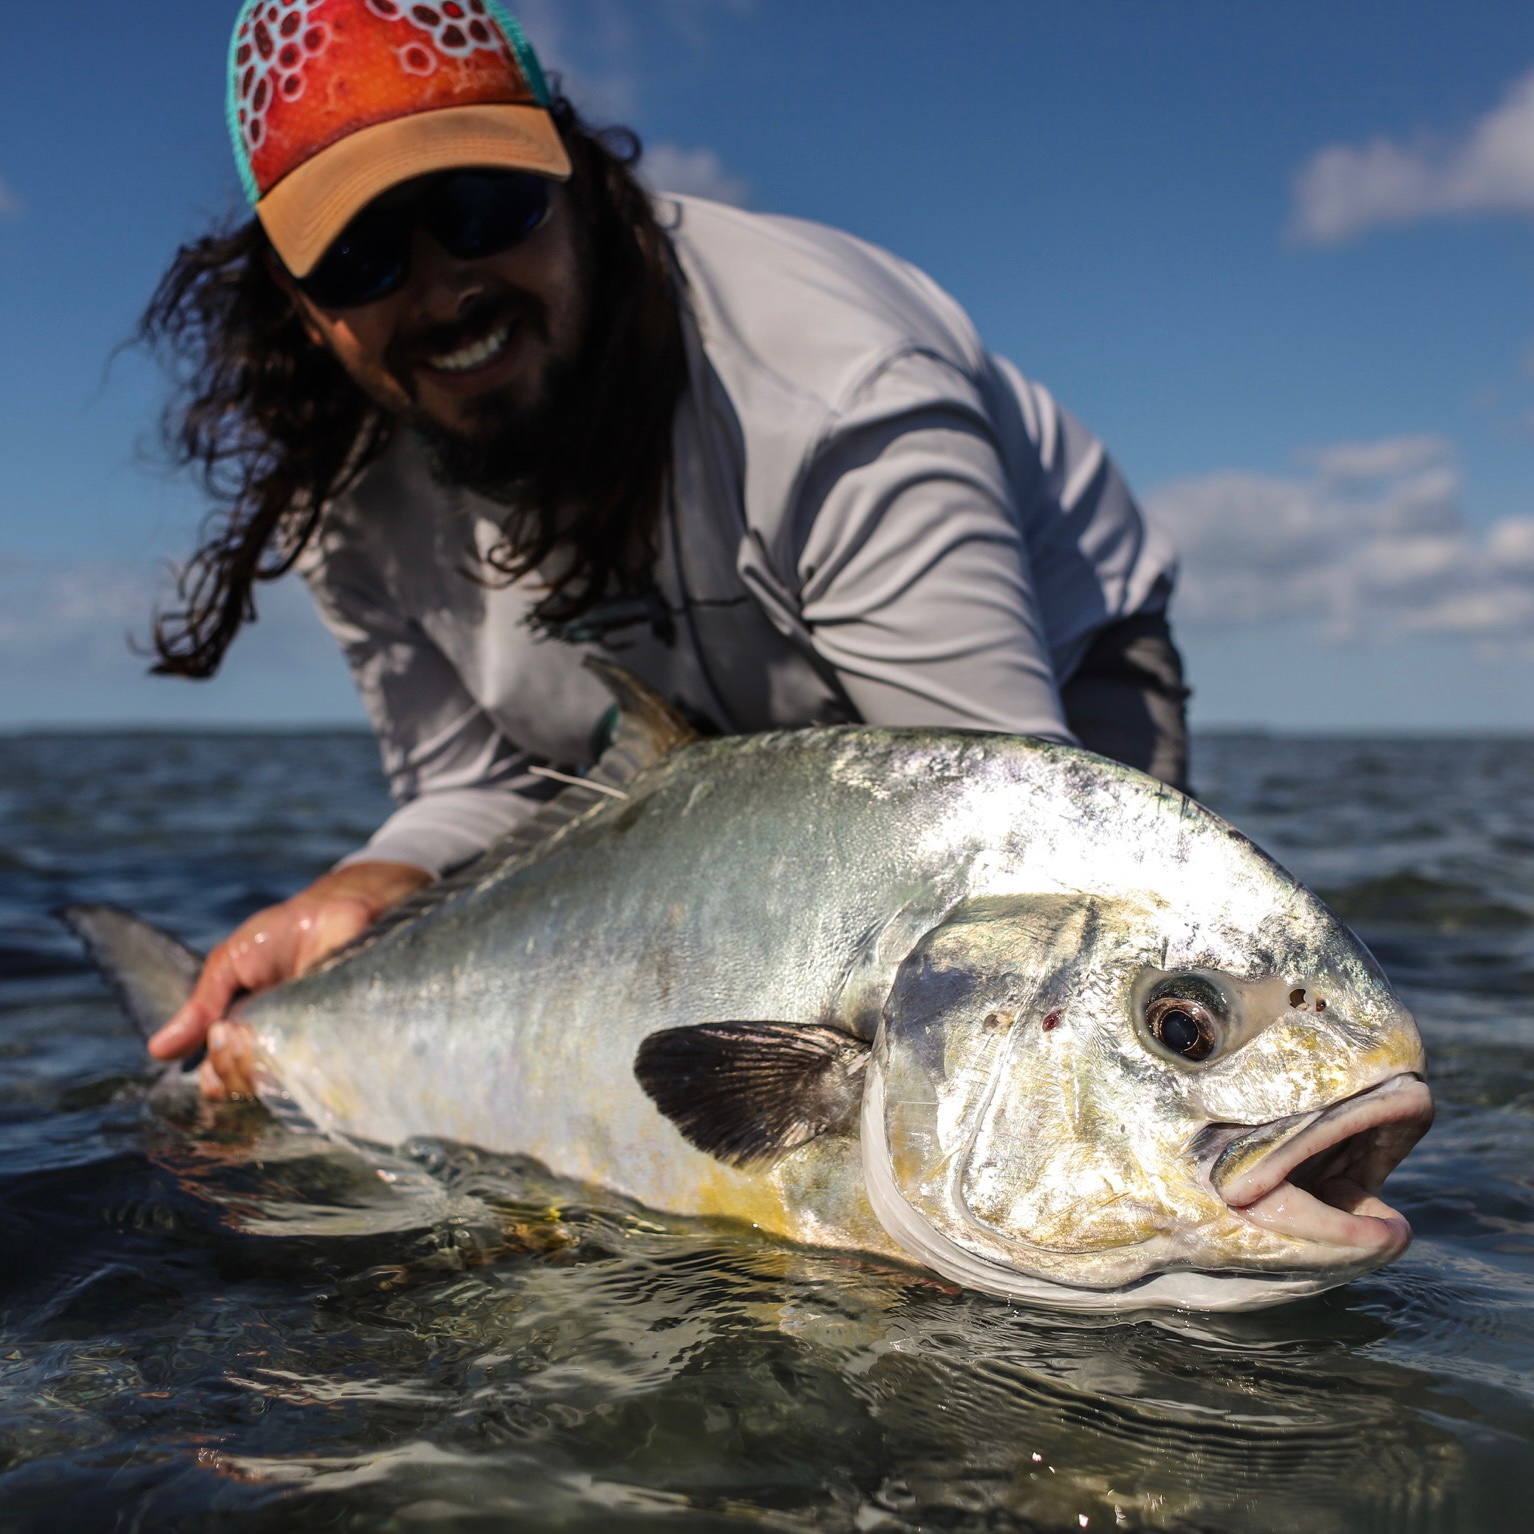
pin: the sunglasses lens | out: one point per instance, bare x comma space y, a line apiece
478, 213
471, 213
369, 259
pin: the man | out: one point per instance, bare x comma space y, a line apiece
502, 409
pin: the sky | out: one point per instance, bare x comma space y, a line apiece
1281, 258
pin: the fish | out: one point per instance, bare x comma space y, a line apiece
988, 1006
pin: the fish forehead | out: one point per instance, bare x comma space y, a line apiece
1003, 816
1093, 822
1043, 818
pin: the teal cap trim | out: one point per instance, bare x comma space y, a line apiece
232, 109
526, 58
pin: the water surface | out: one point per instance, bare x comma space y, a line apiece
209, 1324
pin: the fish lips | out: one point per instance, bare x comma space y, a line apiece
1317, 1176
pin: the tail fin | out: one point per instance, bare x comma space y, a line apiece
149, 970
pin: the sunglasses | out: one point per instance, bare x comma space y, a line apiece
469, 213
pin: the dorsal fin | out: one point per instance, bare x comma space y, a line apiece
647, 730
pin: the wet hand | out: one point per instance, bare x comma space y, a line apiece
275, 945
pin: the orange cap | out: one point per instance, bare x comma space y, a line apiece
332, 102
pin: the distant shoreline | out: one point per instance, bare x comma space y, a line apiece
1211, 732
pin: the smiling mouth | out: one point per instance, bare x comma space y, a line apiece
1317, 1176
475, 354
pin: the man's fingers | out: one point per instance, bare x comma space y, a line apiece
230, 1059
181, 1034
212, 994
184, 1031
251, 958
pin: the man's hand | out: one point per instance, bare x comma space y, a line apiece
273, 945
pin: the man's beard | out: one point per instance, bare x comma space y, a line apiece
508, 440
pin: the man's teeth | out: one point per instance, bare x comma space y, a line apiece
475, 355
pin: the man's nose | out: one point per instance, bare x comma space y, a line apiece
445, 287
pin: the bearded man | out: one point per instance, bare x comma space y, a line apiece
503, 408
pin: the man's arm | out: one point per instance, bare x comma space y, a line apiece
459, 781
917, 580
916, 584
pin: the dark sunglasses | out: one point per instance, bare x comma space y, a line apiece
469, 213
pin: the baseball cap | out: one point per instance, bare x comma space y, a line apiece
332, 102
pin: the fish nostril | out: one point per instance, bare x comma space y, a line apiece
1297, 997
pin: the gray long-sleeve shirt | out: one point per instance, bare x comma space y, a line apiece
869, 516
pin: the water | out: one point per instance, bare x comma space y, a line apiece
206, 1324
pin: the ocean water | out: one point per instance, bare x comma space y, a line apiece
209, 1324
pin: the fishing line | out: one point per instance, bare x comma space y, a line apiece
570, 777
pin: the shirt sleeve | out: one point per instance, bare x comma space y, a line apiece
914, 577
458, 781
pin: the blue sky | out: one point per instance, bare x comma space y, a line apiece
1279, 257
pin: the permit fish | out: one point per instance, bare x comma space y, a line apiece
998, 1008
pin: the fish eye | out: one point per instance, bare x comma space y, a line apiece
1183, 1016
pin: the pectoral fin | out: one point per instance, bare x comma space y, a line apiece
749, 1093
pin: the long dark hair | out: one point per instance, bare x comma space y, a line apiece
275, 428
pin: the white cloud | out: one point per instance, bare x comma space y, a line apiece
1384, 458
66, 654
1371, 542
1348, 188
694, 172
49, 607
10, 203
96, 607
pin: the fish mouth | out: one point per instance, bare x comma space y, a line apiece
1317, 1176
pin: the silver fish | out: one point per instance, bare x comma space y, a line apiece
1000, 1008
